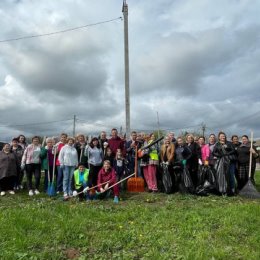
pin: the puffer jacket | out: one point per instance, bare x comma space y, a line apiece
68, 156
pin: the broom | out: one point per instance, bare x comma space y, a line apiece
249, 190
135, 184
51, 185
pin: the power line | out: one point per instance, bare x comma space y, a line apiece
58, 32
94, 123
41, 123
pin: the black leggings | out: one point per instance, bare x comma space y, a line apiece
33, 169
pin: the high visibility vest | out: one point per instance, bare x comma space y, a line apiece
77, 179
153, 154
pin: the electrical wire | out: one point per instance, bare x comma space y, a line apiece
58, 32
41, 123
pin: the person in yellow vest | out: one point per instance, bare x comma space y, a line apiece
150, 169
80, 182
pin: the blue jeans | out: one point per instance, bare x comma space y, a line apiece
67, 179
59, 179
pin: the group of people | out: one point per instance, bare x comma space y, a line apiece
93, 168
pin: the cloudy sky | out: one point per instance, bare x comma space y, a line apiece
193, 61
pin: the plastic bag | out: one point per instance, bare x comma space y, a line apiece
187, 179
211, 177
166, 179
222, 168
201, 175
207, 180
186, 185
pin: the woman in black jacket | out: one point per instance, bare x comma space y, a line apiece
243, 152
225, 166
193, 161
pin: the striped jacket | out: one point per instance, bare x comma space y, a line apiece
28, 155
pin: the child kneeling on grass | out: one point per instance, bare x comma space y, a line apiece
107, 175
80, 182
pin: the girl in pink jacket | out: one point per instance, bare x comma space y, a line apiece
204, 150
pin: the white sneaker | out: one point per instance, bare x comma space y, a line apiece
11, 192
21, 187
36, 192
2, 193
31, 193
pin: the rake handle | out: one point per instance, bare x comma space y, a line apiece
54, 162
93, 187
250, 157
120, 181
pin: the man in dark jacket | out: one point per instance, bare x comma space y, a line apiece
130, 150
103, 139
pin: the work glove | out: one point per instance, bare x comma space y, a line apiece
86, 190
184, 162
74, 193
22, 166
106, 186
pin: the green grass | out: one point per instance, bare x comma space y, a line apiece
141, 226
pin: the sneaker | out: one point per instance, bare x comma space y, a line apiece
21, 187
31, 193
116, 200
11, 192
65, 197
2, 193
36, 192
57, 192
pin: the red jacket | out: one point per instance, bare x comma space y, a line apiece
106, 176
116, 143
59, 145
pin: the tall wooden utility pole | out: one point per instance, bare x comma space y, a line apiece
203, 129
158, 124
74, 126
127, 95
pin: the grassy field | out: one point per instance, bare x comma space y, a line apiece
141, 226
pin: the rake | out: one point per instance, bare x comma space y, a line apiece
249, 190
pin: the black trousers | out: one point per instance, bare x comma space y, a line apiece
93, 174
7, 183
19, 178
33, 169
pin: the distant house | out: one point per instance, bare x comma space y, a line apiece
257, 144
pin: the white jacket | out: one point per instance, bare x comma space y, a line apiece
68, 156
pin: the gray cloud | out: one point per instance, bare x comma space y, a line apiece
191, 63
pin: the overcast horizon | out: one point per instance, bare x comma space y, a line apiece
193, 62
